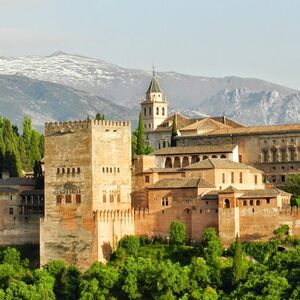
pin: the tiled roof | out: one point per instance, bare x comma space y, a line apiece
32, 192
181, 121
214, 163
207, 125
262, 193
8, 190
16, 181
257, 129
196, 182
163, 170
230, 189
196, 149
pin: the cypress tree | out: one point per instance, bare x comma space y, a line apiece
140, 149
174, 132
238, 267
34, 151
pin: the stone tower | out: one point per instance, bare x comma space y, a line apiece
87, 190
155, 107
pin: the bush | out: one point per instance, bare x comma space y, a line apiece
177, 233
131, 244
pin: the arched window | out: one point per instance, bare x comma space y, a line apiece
111, 196
292, 154
104, 197
163, 111
251, 202
167, 202
118, 170
283, 154
103, 170
177, 162
223, 156
63, 170
107, 170
163, 202
115, 170
57, 170
265, 156
73, 170
195, 159
274, 154
185, 161
68, 170
214, 156
157, 110
257, 203
78, 170
226, 203
168, 163
244, 203
110, 169
204, 157
187, 211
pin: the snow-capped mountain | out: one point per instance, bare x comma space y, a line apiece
192, 95
45, 101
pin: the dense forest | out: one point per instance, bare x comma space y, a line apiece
165, 269
19, 151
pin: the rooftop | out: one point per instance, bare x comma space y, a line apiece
8, 190
196, 149
214, 163
17, 181
196, 182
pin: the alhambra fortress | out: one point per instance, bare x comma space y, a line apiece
220, 174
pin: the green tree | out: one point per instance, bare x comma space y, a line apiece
99, 117
281, 232
238, 266
131, 244
174, 132
212, 246
177, 233
293, 184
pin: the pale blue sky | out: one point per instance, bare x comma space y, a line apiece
248, 38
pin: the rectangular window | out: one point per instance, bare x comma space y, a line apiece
282, 178
293, 154
11, 210
255, 179
268, 201
283, 155
232, 177
68, 198
147, 178
104, 197
157, 110
265, 156
78, 198
241, 177
223, 177
59, 199
274, 155
163, 111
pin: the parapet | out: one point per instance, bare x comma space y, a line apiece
71, 126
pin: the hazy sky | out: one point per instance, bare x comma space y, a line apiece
248, 38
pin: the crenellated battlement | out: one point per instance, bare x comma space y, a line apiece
71, 126
114, 214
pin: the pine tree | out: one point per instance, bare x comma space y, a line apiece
140, 149
174, 132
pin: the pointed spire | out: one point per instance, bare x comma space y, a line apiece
153, 87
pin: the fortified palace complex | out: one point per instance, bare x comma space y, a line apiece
221, 174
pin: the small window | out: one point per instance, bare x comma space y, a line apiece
226, 203
253, 210
163, 212
223, 156
223, 177
255, 179
241, 177
216, 210
73, 170
68, 198
57, 171
104, 197
157, 110
257, 203
78, 198
244, 203
145, 112
150, 111
68, 170
118, 170
63, 170
111, 196
119, 197
268, 201
147, 178
204, 157
78, 170
11, 210
163, 111
283, 178
251, 202
232, 177
206, 202
107, 169
103, 170
214, 156
115, 170
59, 199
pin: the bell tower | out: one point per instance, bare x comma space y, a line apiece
154, 107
